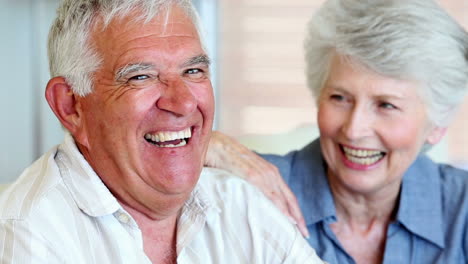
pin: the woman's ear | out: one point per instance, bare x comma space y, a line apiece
63, 102
436, 135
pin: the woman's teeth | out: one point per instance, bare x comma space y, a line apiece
363, 157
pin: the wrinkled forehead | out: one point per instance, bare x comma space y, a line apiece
168, 22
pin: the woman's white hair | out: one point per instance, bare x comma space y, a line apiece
403, 39
71, 54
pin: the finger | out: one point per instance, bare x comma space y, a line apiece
303, 229
279, 202
294, 209
255, 168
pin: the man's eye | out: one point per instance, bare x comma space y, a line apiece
139, 77
194, 73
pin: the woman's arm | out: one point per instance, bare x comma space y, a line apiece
227, 153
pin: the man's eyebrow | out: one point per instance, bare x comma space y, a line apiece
131, 68
200, 59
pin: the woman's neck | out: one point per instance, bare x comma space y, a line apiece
363, 220
364, 209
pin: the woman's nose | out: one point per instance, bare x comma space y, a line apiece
358, 124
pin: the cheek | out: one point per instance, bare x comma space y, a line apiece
402, 135
93, 115
133, 108
328, 120
140, 101
206, 105
121, 116
204, 95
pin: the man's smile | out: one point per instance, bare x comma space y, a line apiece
169, 139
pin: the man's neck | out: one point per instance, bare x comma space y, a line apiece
159, 236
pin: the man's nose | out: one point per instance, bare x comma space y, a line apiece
177, 97
358, 124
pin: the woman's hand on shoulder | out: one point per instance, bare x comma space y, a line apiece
227, 153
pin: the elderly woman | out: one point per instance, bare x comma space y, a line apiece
388, 76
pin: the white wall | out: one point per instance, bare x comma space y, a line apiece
27, 129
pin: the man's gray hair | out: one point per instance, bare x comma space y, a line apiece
403, 39
71, 54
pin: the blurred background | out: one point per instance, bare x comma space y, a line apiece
258, 75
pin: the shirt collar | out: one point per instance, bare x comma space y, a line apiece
420, 209
92, 195
309, 182
199, 201
89, 192
197, 210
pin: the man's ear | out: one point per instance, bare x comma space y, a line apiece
63, 102
436, 135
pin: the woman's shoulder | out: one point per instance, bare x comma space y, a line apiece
308, 156
453, 180
454, 185
454, 200
434, 205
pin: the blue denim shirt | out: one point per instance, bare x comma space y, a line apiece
432, 217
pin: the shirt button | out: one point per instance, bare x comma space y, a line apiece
124, 218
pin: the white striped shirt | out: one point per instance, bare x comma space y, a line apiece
59, 211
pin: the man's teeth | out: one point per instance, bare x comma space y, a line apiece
160, 137
169, 136
364, 157
181, 144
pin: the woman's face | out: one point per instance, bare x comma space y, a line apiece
372, 128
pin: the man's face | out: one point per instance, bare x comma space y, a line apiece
147, 123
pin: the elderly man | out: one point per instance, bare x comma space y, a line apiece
131, 86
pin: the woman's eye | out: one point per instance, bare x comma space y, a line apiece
387, 105
337, 97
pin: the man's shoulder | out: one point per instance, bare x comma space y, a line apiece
236, 197
222, 185
212, 177
25, 195
250, 222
